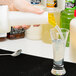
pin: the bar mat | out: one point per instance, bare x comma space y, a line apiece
27, 65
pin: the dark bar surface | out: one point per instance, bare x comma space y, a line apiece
27, 65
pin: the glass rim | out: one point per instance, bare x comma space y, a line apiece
67, 30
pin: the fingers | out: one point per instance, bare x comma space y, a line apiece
24, 6
26, 26
22, 26
35, 10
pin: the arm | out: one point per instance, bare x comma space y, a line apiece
21, 5
7, 2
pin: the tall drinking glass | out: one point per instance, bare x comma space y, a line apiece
59, 45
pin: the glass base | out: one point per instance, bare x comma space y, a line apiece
58, 72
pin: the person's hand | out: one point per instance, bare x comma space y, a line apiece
24, 6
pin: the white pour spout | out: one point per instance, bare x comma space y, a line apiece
8, 19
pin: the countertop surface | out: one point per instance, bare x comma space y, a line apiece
36, 48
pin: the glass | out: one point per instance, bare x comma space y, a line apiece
59, 45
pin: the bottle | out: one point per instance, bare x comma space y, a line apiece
53, 18
73, 37
16, 33
67, 15
35, 1
4, 25
51, 3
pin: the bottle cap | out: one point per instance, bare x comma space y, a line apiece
74, 13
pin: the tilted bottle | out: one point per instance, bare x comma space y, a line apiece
52, 6
73, 38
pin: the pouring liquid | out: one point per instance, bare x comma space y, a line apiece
53, 19
46, 27
53, 22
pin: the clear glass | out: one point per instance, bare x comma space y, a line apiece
59, 45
